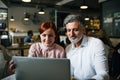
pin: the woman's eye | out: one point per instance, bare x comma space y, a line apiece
44, 35
50, 35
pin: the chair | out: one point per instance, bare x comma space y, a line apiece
5, 58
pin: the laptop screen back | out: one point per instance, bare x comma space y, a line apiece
41, 68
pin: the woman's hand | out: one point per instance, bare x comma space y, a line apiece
11, 66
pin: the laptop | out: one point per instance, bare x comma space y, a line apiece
36, 68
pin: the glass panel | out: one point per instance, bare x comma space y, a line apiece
3, 19
3, 14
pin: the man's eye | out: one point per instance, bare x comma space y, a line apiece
75, 29
68, 30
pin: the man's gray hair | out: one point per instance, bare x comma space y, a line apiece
73, 17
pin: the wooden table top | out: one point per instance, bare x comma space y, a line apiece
18, 47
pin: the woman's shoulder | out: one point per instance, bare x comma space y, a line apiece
59, 47
36, 44
68, 47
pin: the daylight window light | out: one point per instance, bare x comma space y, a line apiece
3, 15
26, 0
4, 36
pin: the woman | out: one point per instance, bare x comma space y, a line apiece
47, 46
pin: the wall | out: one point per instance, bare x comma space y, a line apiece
18, 13
111, 20
19, 24
2, 5
115, 41
111, 17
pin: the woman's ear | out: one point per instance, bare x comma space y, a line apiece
39, 36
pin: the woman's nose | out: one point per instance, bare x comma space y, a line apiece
47, 37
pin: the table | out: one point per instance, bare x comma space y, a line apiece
21, 48
11, 77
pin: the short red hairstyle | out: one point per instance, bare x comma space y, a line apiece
46, 25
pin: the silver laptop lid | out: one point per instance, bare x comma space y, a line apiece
35, 68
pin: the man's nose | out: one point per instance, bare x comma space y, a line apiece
72, 32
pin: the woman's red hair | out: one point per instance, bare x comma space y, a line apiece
47, 25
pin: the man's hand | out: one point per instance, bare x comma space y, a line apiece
118, 77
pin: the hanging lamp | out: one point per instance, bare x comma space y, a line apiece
86, 18
26, 18
84, 6
41, 11
12, 18
26, 0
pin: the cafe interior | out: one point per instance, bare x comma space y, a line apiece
101, 17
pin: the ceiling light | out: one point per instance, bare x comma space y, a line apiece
86, 18
41, 11
12, 19
63, 2
26, 0
83, 6
26, 18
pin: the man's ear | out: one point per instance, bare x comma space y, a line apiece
84, 31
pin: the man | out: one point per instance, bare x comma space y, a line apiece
86, 54
28, 38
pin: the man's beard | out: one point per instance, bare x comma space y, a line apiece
77, 39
